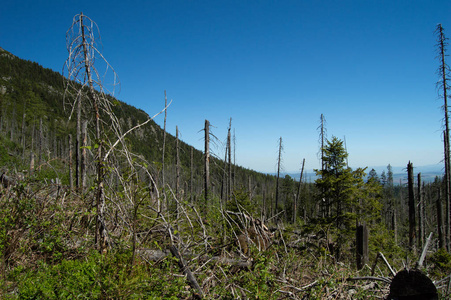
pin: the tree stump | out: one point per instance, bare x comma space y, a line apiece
412, 285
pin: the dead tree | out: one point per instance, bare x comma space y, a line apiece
443, 86
191, 191
71, 174
298, 195
322, 140
164, 150
229, 144
82, 47
441, 238
420, 212
177, 181
279, 163
207, 162
411, 206
83, 156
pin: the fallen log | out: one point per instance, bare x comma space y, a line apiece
189, 275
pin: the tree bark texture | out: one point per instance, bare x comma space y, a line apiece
412, 224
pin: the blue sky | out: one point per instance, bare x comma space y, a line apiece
272, 66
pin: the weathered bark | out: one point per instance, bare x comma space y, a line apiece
279, 159
412, 223
447, 193
420, 212
23, 128
207, 162
166, 201
191, 191
189, 275
78, 181
441, 238
229, 143
71, 173
100, 235
443, 71
298, 195
40, 142
84, 156
177, 181
361, 246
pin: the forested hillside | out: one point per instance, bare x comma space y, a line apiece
92, 209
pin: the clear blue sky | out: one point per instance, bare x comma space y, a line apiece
272, 66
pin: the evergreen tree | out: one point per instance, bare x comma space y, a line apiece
352, 199
372, 176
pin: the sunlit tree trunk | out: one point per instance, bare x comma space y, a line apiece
207, 163
411, 206
443, 84
279, 161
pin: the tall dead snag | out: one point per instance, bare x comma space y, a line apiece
177, 181
441, 238
411, 206
166, 201
297, 199
71, 174
78, 144
191, 190
82, 40
279, 162
207, 162
443, 86
229, 146
420, 213
84, 155
226, 187
325, 206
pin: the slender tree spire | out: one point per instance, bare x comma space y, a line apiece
443, 86
279, 161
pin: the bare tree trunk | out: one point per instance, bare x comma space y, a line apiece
224, 181
100, 238
278, 176
441, 238
191, 191
13, 123
326, 205
395, 227
207, 162
177, 181
41, 141
447, 192
420, 213
362, 246
229, 143
23, 128
412, 224
71, 173
84, 156
443, 71
298, 195
166, 201
78, 181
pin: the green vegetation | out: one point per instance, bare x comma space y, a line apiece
235, 247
